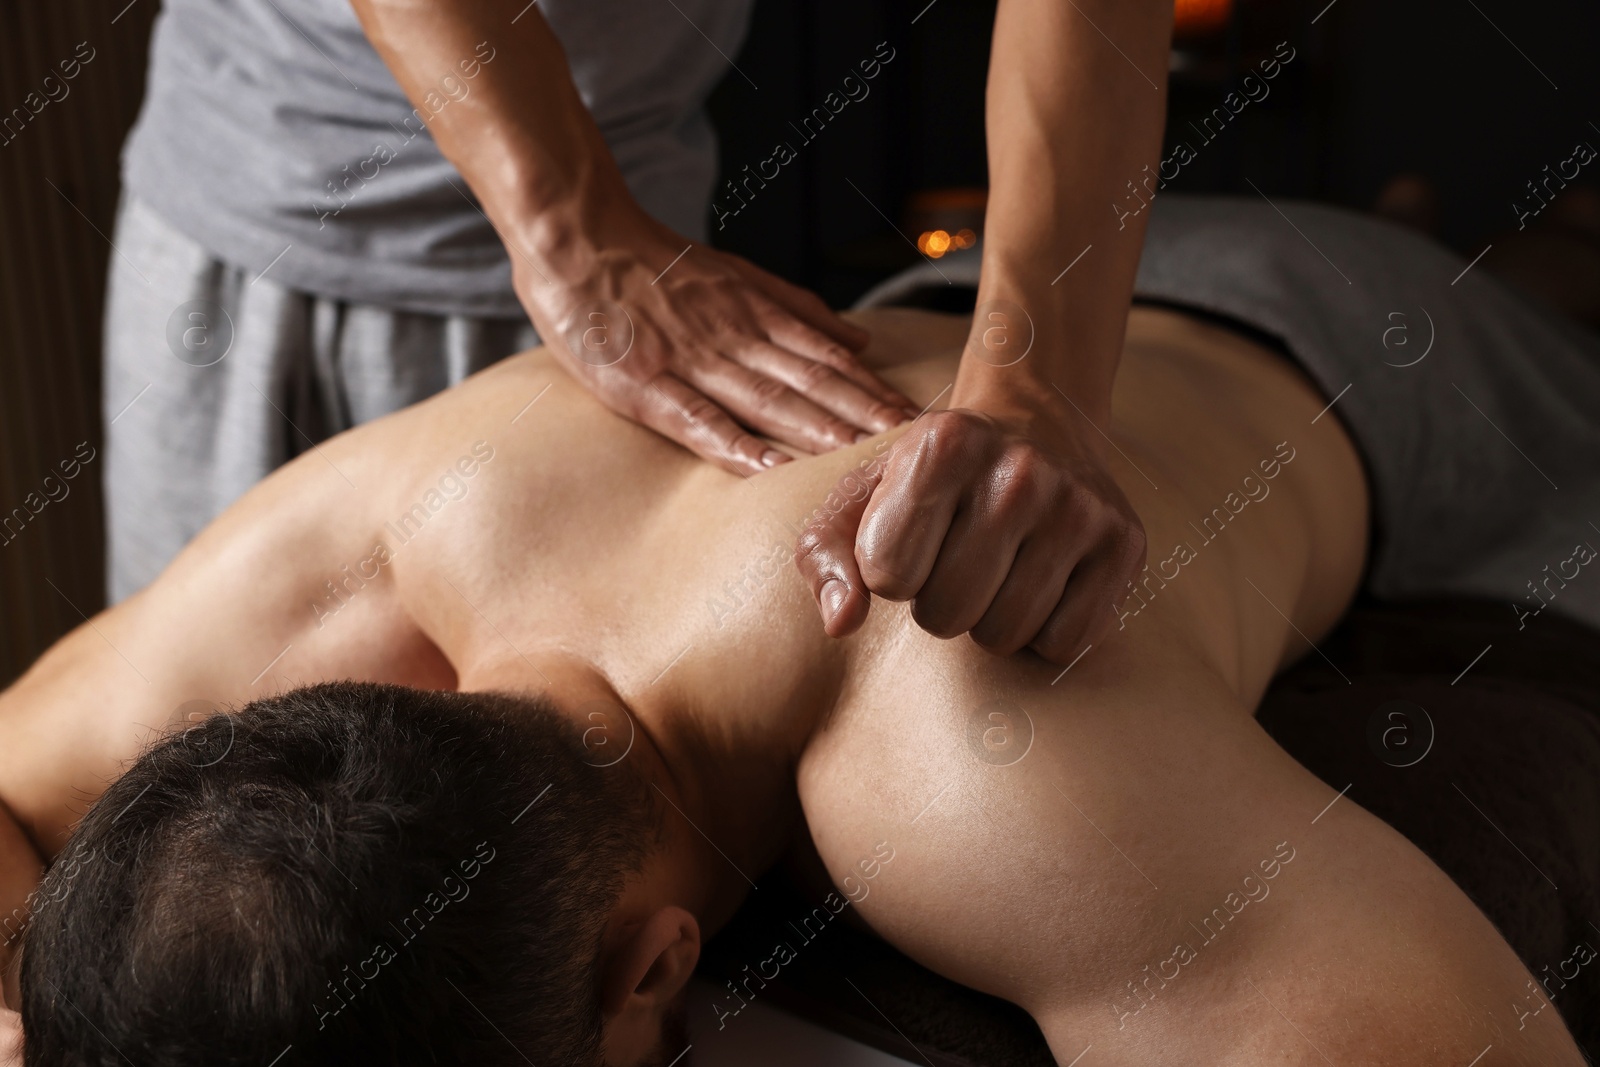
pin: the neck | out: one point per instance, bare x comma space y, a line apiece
725, 820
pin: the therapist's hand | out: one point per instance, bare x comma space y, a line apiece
695, 343
705, 347
1003, 524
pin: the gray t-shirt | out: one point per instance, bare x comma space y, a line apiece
273, 124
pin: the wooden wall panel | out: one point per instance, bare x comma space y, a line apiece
58, 191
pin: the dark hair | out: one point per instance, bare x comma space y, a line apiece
366, 873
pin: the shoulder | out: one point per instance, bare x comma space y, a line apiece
291, 585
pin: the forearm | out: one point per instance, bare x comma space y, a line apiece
503, 109
1075, 109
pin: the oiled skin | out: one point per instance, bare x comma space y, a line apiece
588, 555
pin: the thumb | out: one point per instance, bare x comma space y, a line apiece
826, 551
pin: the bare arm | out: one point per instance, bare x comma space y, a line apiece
1076, 105
999, 517
232, 619
715, 346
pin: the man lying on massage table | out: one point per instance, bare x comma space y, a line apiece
527, 696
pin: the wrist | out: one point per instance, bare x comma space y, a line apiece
559, 216
1034, 341
565, 236
1037, 388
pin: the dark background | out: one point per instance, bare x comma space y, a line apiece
1378, 87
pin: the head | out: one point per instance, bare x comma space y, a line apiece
360, 873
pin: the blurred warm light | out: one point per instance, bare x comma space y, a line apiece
1200, 16
935, 243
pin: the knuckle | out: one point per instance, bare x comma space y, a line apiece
997, 638
767, 392
945, 436
1080, 504
698, 411
835, 355
812, 375
838, 432
885, 412
937, 616
959, 421
1009, 502
1079, 497
720, 312
1051, 646
1023, 479
1130, 544
812, 548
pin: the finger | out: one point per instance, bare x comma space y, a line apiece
1012, 497
768, 405
964, 583
905, 523
797, 336
806, 306
677, 410
798, 320
826, 553
1088, 605
1026, 598
824, 386
971, 566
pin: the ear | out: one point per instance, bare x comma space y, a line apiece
644, 976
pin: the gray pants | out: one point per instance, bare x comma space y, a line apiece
214, 377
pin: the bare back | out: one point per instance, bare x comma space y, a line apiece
1059, 831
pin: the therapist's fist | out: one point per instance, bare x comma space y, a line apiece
706, 348
1001, 528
